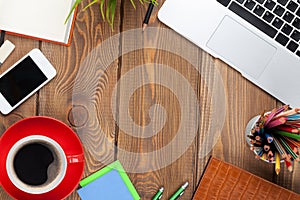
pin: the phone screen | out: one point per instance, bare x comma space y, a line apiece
21, 81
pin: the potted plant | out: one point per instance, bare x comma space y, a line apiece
109, 13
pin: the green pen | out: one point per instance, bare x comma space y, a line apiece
179, 192
158, 194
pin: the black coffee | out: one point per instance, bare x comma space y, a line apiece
31, 163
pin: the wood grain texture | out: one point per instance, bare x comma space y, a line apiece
58, 99
244, 101
172, 175
111, 125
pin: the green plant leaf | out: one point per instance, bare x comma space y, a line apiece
102, 9
72, 9
95, 1
155, 2
110, 11
133, 4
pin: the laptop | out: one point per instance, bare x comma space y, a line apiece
258, 38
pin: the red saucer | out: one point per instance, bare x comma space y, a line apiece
59, 132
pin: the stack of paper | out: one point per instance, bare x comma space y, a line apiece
111, 182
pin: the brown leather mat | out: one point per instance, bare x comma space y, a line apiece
222, 180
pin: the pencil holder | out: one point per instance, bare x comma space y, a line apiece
257, 150
274, 136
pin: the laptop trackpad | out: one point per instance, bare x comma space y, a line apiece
244, 49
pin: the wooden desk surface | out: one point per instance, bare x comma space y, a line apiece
242, 101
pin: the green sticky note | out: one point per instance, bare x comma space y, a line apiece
108, 175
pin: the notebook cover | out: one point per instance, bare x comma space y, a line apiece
51, 41
104, 183
222, 180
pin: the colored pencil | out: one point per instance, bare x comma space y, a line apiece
292, 146
288, 165
277, 163
276, 137
269, 137
287, 128
279, 148
270, 116
292, 124
289, 149
295, 142
288, 134
293, 117
276, 122
288, 112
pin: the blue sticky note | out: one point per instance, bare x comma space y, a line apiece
110, 186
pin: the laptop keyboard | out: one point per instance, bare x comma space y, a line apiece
279, 19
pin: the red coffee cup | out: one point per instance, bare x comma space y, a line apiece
64, 172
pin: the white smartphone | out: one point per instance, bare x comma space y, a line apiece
23, 79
